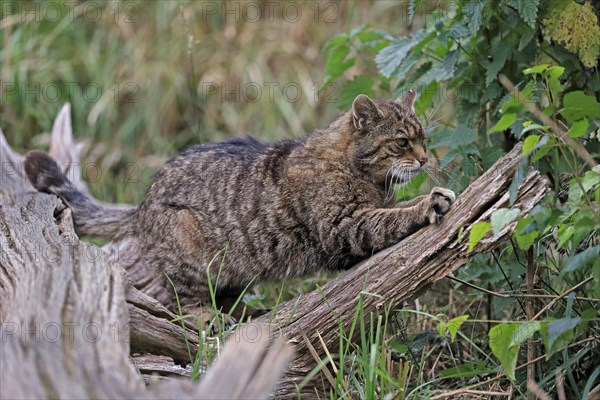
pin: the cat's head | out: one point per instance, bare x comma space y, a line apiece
388, 138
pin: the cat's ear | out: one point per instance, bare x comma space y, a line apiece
364, 110
407, 99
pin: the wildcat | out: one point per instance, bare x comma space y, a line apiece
244, 211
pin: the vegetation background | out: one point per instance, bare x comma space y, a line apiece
145, 79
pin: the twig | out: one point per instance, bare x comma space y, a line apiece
532, 108
547, 306
536, 392
530, 278
500, 376
315, 355
560, 387
519, 295
327, 352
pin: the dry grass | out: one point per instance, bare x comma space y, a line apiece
149, 78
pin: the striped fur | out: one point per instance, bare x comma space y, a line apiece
245, 211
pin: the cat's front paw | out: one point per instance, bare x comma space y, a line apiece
440, 200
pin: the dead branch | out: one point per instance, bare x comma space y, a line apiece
70, 317
558, 130
402, 272
66, 325
76, 289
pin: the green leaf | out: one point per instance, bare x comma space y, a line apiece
538, 69
529, 144
454, 325
466, 370
555, 71
500, 52
527, 10
442, 71
399, 347
564, 233
336, 42
504, 123
407, 65
441, 328
543, 148
461, 136
557, 333
578, 128
457, 31
502, 217
582, 260
478, 231
511, 104
414, 57
489, 155
426, 95
390, 58
526, 38
578, 105
518, 178
596, 274
336, 63
589, 181
523, 332
253, 300
529, 126
525, 237
370, 36
473, 12
361, 84
501, 337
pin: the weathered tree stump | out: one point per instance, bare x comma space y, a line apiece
68, 313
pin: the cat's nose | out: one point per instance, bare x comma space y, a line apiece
423, 160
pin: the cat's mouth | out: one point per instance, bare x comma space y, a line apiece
403, 175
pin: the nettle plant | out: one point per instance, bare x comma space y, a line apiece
490, 74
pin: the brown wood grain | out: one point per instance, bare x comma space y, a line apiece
105, 303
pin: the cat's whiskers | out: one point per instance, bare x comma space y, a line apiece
437, 174
385, 180
430, 173
430, 121
392, 188
396, 178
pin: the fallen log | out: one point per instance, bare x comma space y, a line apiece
393, 276
69, 316
402, 272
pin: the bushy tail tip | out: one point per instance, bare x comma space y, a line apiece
43, 172
91, 217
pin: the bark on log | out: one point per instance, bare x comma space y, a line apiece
67, 312
65, 323
55, 291
402, 272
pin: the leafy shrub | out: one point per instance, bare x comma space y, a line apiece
512, 70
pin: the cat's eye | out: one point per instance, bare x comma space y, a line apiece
402, 142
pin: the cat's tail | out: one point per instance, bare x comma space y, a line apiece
91, 217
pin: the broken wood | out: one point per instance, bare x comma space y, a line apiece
402, 272
66, 325
70, 317
98, 291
